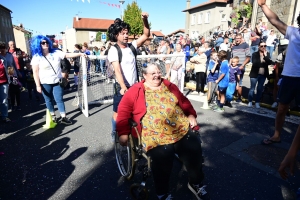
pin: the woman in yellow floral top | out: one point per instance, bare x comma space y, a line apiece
165, 118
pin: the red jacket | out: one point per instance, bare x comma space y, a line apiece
133, 106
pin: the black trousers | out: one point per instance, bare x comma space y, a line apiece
14, 94
190, 153
200, 81
31, 86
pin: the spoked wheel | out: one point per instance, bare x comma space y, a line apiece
125, 157
138, 192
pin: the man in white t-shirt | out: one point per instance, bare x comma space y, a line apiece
224, 45
125, 70
289, 87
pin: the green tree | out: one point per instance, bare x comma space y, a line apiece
132, 16
98, 36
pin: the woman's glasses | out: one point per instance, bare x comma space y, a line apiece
43, 43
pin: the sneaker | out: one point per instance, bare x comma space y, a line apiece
199, 191
201, 94
214, 107
218, 109
228, 104
113, 136
250, 104
257, 105
194, 92
274, 105
166, 197
6, 120
65, 120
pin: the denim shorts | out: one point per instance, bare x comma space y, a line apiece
222, 90
241, 76
288, 90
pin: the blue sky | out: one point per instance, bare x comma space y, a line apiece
52, 16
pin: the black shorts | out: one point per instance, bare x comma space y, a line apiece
288, 90
222, 90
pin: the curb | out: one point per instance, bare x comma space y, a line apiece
292, 112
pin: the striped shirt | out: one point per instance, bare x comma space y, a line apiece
242, 51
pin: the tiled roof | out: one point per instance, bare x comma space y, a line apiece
88, 23
174, 32
205, 3
157, 33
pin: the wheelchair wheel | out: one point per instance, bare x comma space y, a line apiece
138, 192
125, 157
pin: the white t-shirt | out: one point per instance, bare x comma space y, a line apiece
128, 68
223, 47
270, 40
46, 73
292, 59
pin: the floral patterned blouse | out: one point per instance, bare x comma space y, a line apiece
164, 122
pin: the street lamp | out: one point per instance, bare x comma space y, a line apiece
122, 14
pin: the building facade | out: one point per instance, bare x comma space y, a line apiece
205, 17
6, 28
22, 38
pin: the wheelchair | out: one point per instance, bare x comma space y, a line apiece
128, 156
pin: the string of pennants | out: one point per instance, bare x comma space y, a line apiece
110, 4
106, 3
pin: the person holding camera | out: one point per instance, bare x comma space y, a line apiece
47, 74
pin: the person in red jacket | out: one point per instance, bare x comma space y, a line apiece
165, 119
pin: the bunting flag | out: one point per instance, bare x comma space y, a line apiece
110, 4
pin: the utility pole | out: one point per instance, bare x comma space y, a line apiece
122, 11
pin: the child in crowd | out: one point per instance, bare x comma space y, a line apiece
14, 89
30, 82
222, 81
213, 69
234, 78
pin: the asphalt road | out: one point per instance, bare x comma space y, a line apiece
78, 162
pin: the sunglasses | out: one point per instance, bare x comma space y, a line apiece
43, 43
263, 45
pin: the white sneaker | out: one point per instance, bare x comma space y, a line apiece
194, 92
201, 94
250, 104
274, 105
257, 105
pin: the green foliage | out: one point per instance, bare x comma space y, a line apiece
98, 36
132, 16
242, 10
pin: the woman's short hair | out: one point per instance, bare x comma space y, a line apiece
10, 70
116, 28
145, 69
36, 48
222, 55
77, 46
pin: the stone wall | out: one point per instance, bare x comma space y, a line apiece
284, 10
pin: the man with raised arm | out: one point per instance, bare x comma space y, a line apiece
290, 81
125, 68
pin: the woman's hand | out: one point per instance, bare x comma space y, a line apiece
288, 162
192, 120
39, 89
261, 2
123, 139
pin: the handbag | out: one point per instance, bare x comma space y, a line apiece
63, 82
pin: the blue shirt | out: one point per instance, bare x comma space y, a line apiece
233, 72
212, 77
224, 69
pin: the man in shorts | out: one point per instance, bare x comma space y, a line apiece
290, 82
125, 70
242, 51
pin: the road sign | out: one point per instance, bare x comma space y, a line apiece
103, 36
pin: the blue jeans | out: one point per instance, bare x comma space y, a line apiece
97, 63
102, 65
3, 100
53, 92
253, 49
260, 80
270, 49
